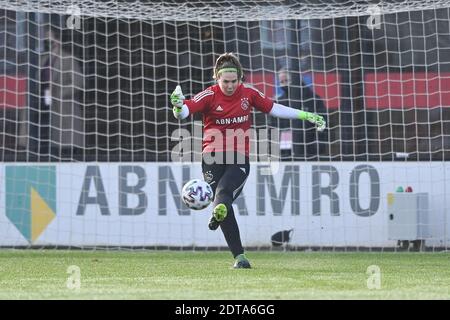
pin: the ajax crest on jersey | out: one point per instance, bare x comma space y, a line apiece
197, 194
244, 103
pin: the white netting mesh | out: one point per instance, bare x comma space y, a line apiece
207, 10
383, 84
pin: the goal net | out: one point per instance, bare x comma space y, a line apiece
92, 156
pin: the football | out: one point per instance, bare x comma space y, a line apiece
197, 194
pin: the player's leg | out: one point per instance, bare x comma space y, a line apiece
228, 189
212, 173
213, 170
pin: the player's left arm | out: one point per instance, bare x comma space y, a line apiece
266, 105
281, 111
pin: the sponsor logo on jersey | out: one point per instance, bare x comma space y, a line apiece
233, 120
219, 108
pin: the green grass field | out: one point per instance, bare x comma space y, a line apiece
42, 274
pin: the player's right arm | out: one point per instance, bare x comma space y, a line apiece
180, 110
182, 107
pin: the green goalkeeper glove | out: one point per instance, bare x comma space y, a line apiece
314, 118
177, 99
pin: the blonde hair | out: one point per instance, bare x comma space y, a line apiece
228, 61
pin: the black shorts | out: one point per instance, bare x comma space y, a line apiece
227, 177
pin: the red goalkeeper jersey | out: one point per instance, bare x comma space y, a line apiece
227, 119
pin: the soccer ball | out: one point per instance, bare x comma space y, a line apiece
197, 194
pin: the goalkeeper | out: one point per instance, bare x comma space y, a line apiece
226, 108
